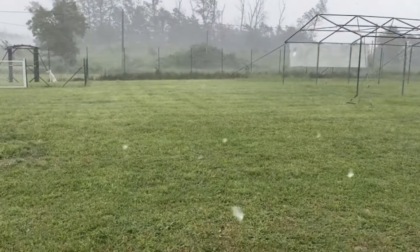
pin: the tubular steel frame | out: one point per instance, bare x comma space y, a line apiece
376, 27
37, 59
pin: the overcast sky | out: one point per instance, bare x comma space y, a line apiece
295, 8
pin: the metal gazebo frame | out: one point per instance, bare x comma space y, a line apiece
391, 30
34, 50
37, 59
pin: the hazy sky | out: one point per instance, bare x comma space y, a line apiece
295, 9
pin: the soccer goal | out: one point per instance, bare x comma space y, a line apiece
13, 74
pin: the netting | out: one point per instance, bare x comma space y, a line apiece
330, 55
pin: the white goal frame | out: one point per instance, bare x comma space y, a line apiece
24, 72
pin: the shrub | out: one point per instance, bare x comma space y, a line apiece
203, 57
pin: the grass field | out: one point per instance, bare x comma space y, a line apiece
142, 166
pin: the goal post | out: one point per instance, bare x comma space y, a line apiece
13, 74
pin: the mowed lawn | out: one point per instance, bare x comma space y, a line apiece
142, 166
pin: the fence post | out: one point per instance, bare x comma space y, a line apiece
85, 71
10, 58
280, 61
409, 65
36, 64
87, 64
317, 63
223, 63
191, 70
404, 68
158, 59
359, 68
124, 66
251, 66
49, 58
381, 59
284, 63
350, 58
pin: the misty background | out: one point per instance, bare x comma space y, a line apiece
170, 34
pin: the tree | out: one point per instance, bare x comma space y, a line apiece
241, 8
154, 4
207, 10
256, 14
282, 10
320, 8
103, 18
139, 24
152, 9
97, 12
184, 30
178, 5
58, 29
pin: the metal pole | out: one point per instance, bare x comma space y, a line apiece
381, 59
359, 67
191, 70
87, 63
280, 61
207, 40
409, 65
158, 59
349, 71
223, 63
71, 78
374, 43
317, 63
10, 58
251, 62
404, 68
49, 58
25, 74
123, 41
36, 64
85, 72
284, 63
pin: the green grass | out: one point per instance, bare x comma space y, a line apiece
66, 184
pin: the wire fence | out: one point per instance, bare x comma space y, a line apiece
195, 59
335, 61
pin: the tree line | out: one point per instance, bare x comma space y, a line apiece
150, 23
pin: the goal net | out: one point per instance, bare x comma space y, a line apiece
13, 74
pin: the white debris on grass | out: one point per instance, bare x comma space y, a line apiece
238, 213
224, 140
125, 147
318, 135
350, 174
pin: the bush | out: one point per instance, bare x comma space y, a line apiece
203, 57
